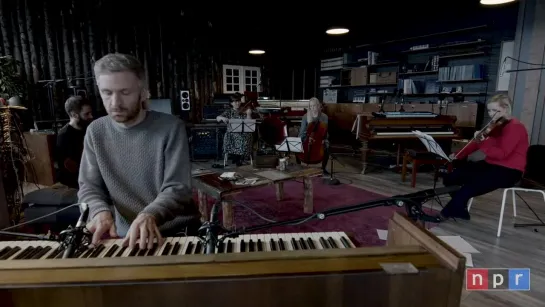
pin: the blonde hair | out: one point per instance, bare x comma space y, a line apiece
311, 100
503, 101
119, 62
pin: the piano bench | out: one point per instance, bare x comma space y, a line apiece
421, 158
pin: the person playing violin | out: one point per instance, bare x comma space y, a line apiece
313, 114
495, 160
237, 145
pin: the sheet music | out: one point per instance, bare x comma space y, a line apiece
242, 125
290, 144
431, 144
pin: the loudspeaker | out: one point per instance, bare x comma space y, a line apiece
185, 100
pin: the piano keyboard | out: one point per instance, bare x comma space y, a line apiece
410, 133
19, 250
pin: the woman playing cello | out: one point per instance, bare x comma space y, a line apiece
496, 159
314, 127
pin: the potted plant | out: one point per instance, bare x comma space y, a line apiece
11, 85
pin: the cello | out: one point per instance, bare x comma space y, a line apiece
313, 145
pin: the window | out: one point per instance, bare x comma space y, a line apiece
241, 79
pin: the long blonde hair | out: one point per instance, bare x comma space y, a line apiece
309, 113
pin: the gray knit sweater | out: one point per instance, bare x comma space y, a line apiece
144, 168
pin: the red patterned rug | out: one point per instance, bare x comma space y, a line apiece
360, 225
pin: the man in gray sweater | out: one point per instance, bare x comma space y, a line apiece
135, 172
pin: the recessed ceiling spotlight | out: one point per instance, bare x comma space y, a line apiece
494, 2
337, 31
256, 51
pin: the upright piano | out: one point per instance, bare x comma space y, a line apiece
397, 127
415, 268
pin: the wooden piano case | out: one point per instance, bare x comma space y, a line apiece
333, 277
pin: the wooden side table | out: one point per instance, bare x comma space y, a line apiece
421, 158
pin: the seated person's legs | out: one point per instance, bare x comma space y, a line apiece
484, 179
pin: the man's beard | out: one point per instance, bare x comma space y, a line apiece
129, 114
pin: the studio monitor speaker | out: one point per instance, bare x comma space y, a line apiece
185, 100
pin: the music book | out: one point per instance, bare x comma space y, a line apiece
290, 144
431, 144
242, 125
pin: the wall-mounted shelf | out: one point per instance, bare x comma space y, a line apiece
418, 73
462, 81
445, 94
462, 55
446, 46
367, 85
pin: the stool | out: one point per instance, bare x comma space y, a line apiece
421, 158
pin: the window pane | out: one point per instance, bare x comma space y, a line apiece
248, 81
229, 72
235, 80
229, 80
247, 73
236, 88
254, 73
229, 87
254, 88
248, 87
235, 72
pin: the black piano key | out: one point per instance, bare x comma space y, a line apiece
98, 250
272, 245
302, 243
42, 252
33, 253
111, 251
294, 244
176, 249
60, 254
310, 243
55, 253
166, 250
24, 253
221, 248
251, 246
4, 251
345, 242
242, 246
323, 242
87, 253
134, 251
198, 248
142, 252
189, 249
153, 249
229, 246
332, 242
259, 245
121, 251
281, 245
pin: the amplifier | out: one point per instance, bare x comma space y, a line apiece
207, 143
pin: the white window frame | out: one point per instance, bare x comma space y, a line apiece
242, 78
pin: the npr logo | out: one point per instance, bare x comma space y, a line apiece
498, 279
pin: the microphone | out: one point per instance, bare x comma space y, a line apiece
211, 235
74, 236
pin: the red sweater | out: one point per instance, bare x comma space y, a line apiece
507, 148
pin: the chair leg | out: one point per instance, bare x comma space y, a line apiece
469, 203
415, 170
504, 198
514, 203
224, 160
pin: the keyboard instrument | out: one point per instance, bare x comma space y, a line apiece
405, 114
178, 246
303, 274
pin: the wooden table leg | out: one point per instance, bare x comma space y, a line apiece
415, 165
308, 206
404, 168
279, 191
228, 217
203, 205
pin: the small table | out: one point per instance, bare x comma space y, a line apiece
209, 184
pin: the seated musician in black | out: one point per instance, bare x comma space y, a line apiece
70, 140
314, 113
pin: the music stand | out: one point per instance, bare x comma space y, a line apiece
236, 125
289, 145
433, 147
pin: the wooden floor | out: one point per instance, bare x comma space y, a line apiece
516, 248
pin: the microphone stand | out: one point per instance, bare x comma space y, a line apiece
212, 229
412, 202
73, 237
47, 237
331, 180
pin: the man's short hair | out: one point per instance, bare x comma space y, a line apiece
118, 62
75, 104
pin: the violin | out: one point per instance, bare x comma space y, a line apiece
313, 148
493, 127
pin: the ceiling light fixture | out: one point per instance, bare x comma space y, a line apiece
256, 51
337, 31
495, 2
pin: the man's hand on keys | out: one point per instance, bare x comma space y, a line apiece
144, 228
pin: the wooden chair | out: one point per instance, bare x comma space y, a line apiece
421, 158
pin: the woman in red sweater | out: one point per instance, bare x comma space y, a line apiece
495, 163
